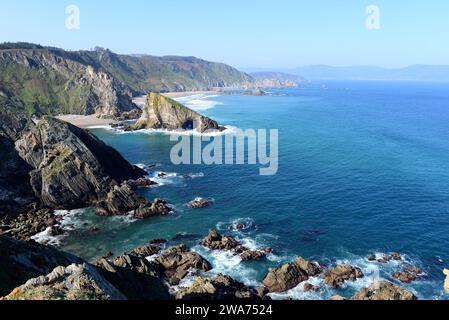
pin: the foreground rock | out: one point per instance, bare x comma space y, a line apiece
219, 288
164, 113
75, 282
337, 276
384, 291
290, 275
176, 262
20, 261
446, 281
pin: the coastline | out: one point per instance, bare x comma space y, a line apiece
85, 121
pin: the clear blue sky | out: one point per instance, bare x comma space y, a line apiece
244, 33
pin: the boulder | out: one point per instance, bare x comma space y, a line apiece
308, 287
74, 282
157, 208
337, 298
409, 274
216, 241
337, 276
384, 290
252, 255
290, 275
219, 288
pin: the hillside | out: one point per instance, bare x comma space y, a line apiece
45, 80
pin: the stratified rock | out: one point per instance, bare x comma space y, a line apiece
176, 262
72, 168
220, 288
216, 241
121, 199
75, 282
337, 276
290, 275
164, 113
20, 261
384, 291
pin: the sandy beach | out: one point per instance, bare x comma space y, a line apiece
85, 121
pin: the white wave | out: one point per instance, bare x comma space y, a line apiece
227, 131
199, 102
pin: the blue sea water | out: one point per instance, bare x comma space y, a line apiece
363, 168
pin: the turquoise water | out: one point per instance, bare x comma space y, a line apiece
363, 168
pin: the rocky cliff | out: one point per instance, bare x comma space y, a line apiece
51, 81
164, 113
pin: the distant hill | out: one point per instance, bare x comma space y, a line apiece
323, 72
47, 80
276, 80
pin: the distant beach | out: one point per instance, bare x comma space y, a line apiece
86, 121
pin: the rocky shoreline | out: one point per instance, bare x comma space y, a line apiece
150, 272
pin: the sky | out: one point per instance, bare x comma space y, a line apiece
243, 33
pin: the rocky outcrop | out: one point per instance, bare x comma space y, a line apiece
200, 203
75, 282
384, 291
290, 275
216, 241
164, 113
409, 274
72, 169
219, 288
176, 262
21, 261
337, 276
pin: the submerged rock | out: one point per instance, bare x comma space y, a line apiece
219, 288
216, 241
384, 290
75, 282
337, 276
290, 275
164, 113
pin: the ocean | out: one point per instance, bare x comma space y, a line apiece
363, 169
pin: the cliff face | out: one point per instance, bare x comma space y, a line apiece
71, 168
44, 81
164, 113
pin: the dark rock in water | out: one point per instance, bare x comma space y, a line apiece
371, 257
186, 237
310, 287
176, 262
384, 291
394, 256
290, 275
158, 241
252, 255
216, 241
142, 183
219, 288
157, 208
21, 261
120, 200
71, 167
199, 203
409, 274
75, 282
164, 113
337, 276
